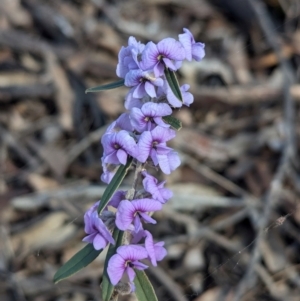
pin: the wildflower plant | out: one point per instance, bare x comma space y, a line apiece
138, 140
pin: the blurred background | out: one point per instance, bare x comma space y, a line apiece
232, 229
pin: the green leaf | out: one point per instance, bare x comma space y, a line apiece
80, 260
114, 85
173, 122
107, 287
114, 185
143, 288
173, 83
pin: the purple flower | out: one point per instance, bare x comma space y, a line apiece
143, 83
109, 171
168, 52
122, 123
192, 49
157, 190
187, 97
153, 144
132, 212
131, 102
142, 118
156, 251
97, 232
117, 198
137, 236
168, 162
129, 57
124, 261
117, 147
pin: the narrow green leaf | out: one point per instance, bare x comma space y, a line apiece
114, 185
107, 287
173, 122
143, 288
113, 85
80, 260
173, 83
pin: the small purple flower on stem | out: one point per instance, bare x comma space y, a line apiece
131, 102
132, 211
126, 259
117, 147
168, 52
109, 171
117, 198
192, 49
97, 232
143, 119
153, 144
157, 190
156, 251
142, 83
122, 123
128, 57
187, 97
137, 236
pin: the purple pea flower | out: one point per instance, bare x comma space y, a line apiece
117, 147
131, 102
156, 251
157, 190
117, 198
142, 118
168, 52
168, 162
142, 83
122, 123
97, 232
129, 57
137, 236
132, 211
153, 144
192, 49
124, 261
109, 171
187, 97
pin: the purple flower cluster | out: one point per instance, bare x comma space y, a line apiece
141, 134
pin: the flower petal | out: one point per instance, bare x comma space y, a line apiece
125, 215
99, 242
130, 272
115, 268
146, 205
132, 252
168, 162
122, 156
144, 146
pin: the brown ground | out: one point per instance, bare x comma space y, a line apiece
232, 228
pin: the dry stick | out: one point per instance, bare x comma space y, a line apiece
262, 15
39, 90
215, 177
196, 232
